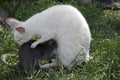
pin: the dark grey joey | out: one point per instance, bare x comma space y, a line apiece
29, 57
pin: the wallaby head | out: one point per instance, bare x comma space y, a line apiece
19, 31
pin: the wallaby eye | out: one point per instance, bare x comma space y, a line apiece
20, 39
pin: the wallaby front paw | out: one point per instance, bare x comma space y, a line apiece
33, 45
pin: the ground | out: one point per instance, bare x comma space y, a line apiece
105, 46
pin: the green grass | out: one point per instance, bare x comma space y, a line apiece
105, 46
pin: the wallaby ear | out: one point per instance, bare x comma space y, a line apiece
21, 29
12, 22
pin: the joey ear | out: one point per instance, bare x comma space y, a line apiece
20, 29
12, 22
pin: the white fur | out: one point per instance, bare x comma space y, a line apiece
66, 25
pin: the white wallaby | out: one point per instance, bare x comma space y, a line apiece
63, 23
